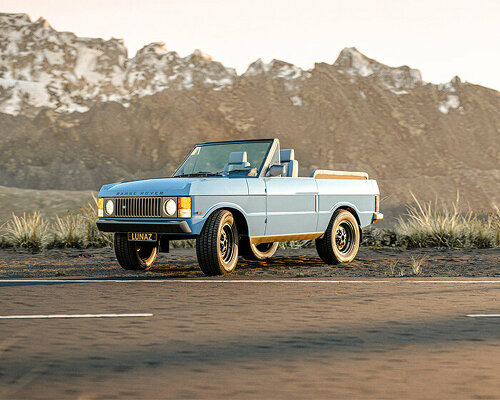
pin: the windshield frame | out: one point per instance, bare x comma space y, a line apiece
273, 143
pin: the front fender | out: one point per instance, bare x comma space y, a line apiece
198, 220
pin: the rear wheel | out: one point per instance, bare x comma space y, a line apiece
217, 245
134, 255
260, 251
340, 243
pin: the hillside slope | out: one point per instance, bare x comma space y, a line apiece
140, 116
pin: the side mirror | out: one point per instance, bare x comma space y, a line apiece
276, 170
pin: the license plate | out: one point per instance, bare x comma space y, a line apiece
142, 237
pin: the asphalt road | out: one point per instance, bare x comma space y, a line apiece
251, 340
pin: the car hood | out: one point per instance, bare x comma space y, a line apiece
176, 187
148, 187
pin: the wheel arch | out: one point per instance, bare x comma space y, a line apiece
349, 208
352, 209
238, 213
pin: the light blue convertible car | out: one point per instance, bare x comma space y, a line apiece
238, 198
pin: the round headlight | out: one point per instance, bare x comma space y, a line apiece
110, 207
170, 207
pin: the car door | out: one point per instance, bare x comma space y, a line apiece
291, 206
256, 206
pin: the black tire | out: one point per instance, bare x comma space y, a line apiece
340, 243
260, 251
217, 245
134, 255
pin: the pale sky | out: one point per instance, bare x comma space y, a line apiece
442, 38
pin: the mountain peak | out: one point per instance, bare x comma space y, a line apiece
355, 63
43, 23
200, 56
155, 48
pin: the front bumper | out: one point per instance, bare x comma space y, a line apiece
113, 225
377, 217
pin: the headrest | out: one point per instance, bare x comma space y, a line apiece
237, 157
287, 155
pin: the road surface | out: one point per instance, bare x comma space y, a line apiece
253, 339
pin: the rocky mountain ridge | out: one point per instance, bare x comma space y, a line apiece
41, 67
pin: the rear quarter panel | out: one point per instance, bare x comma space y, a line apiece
357, 194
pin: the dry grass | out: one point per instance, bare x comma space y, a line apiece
68, 231
392, 267
93, 236
494, 220
425, 225
3, 238
415, 267
432, 225
29, 231
416, 264
72, 230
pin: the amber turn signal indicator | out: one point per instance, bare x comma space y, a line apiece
184, 207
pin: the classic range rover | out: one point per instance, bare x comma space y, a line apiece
238, 198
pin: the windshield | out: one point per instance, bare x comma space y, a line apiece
210, 159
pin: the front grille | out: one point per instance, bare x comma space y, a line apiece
138, 207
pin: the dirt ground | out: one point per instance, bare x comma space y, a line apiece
290, 263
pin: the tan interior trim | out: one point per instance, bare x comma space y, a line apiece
327, 174
284, 238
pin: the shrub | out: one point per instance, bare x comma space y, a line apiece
430, 225
34, 232
68, 231
494, 220
3, 238
28, 231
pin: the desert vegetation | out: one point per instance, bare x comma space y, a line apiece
397, 268
424, 225
34, 232
439, 225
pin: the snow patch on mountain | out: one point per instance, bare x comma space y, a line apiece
296, 101
451, 102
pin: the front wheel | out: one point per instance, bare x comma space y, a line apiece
340, 243
134, 255
217, 245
